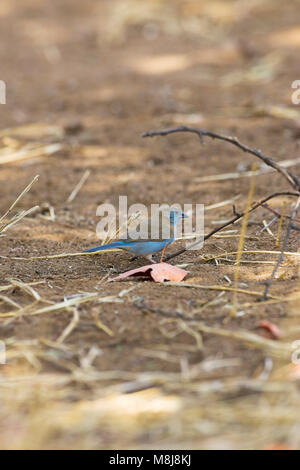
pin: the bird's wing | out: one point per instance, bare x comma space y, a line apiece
155, 229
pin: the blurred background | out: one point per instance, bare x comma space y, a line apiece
117, 59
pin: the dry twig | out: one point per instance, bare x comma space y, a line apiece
288, 175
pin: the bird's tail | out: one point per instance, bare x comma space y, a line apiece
105, 247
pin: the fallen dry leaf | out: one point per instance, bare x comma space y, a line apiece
159, 272
272, 330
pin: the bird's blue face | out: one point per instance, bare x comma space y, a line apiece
175, 216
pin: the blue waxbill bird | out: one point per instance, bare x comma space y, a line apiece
147, 246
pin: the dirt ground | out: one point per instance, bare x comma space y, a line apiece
142, 364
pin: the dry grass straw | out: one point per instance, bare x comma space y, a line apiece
27, 288
79, 185
241, 240
245, 174
267, 228
61, 255
208, 257
71, 326
100, 325
9, 286
221, 203
28, 153
219, 288
68, 303
5, 223
35, 130
271, 347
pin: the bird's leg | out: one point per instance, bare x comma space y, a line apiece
163, 253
